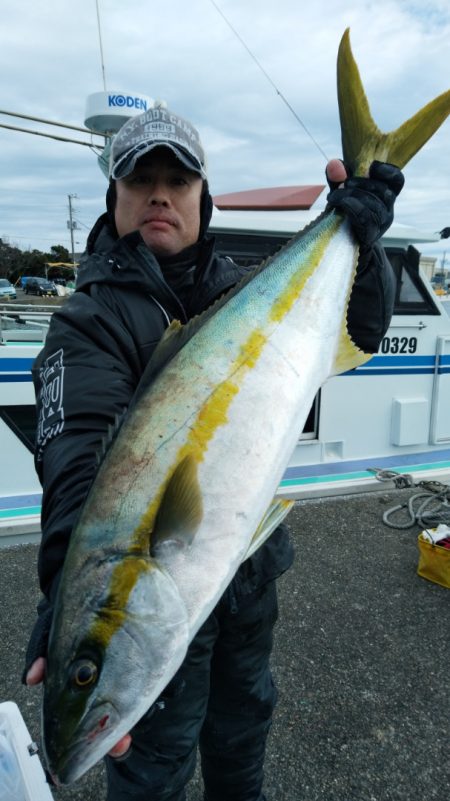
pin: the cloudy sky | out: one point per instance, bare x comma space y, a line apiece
186, 53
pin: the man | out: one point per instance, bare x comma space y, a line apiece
148, 261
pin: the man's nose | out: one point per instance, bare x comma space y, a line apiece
158, 194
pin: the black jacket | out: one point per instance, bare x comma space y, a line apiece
96, 350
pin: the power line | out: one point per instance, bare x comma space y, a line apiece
34, 238
49, 136
50, 122
279, 93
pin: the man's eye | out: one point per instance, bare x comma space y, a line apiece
140, 179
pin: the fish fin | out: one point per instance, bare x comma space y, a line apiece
362, 140
181, 509
275, 514
348, 355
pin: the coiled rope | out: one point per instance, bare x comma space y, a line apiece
427, 508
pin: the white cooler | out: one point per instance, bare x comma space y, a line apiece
22, 777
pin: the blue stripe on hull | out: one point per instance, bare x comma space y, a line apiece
15, 379
14, 506
359, 468
12, 501
19, 369
16, 365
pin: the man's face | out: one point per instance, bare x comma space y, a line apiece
161, 199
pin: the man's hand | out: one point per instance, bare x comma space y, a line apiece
336, 172
121, 748
36, 672
36, 675
367, 202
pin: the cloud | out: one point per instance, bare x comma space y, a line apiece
188, 55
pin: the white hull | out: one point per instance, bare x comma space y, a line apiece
390, 414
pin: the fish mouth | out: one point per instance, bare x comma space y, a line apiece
96, 734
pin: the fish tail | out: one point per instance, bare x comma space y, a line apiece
362, 140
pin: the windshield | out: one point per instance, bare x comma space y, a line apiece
4, 282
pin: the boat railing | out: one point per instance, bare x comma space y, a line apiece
24, 323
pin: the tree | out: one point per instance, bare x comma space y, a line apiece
59, 253
15, 262
10, 259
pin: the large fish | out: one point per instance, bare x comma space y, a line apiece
185, 491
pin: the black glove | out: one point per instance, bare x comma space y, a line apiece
38, 642
368, 202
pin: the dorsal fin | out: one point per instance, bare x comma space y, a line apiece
177, 335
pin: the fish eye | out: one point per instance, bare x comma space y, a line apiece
84, 673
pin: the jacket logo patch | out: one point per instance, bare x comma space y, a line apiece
51, 413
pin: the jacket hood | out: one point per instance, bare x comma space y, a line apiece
116, 261
179, 283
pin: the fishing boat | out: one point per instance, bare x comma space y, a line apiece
23, 330
391, 414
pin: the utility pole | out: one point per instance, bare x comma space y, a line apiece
71, 224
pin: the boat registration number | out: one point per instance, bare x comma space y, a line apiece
399, 345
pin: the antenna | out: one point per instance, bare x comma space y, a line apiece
266, 74
101, 46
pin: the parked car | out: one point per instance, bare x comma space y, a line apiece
40, 286
7, 290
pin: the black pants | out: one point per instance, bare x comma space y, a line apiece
221, 699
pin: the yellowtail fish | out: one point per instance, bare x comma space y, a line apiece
186, 490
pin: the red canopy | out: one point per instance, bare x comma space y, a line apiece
277, 198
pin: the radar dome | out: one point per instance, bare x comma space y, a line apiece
106, 112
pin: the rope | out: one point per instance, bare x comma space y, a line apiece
426, 509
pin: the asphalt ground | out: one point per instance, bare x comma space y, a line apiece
32, 300
361, 661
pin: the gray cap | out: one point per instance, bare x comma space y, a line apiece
155, 128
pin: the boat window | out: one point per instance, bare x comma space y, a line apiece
311, 427
22, 421
248, 249
23, 326
411, 295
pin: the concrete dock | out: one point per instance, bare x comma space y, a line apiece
361, 661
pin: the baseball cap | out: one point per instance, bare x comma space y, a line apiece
156, 127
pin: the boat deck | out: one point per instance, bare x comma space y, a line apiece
360, 660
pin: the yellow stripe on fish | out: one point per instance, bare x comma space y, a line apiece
284, 303
112, 615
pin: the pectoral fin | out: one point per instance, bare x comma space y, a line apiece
181, 510
275, 514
